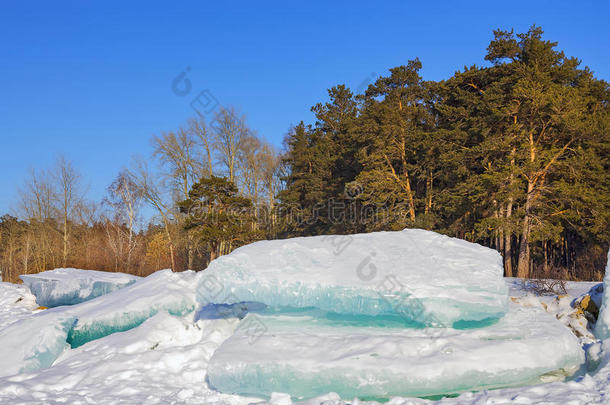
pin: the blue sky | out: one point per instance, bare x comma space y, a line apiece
93, 80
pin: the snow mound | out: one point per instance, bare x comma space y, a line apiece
309, 356
72, 286
602, 327
426, 278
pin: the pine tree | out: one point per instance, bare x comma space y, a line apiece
219, 218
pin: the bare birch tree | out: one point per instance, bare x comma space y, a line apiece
125, 198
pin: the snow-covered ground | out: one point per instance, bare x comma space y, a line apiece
164, 360
147, 344
16, 303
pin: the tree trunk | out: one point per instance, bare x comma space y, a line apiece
171, 245
546, 259
65, 237
428, 193
508, 251
410, 196
523, 265
403, 153
189, 250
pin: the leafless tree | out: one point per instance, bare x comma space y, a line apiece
205, 140
69, 194
179, 157
149, 187
182, 162
37, 197
229, 130
250, 166
125, 198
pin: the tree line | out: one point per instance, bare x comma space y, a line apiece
512, 155
139, 226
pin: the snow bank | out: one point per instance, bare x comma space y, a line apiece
72, 286
308, 356
425, 277
602, 327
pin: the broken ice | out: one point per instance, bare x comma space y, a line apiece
308, 356
426, 278
72, 286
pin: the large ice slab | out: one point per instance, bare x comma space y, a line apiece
34, 342
72, 286
307, 356
128, 307
425, 277
602, 327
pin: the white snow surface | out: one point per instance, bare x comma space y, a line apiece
71, 286
16, 302
423, 276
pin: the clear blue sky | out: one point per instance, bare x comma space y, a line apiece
92, 80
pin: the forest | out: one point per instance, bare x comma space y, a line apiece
512, 154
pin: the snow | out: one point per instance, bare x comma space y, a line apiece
516, 288
16, 303
162, 361
308, 356
71, 286
602, 328
124, 368
427, 278
35, 342
164, 358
